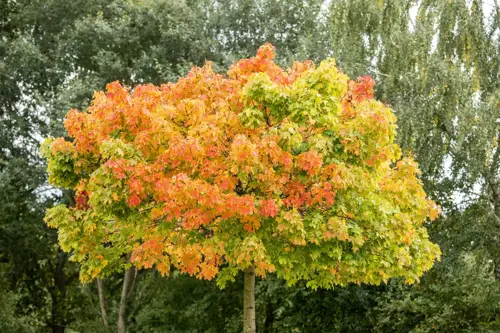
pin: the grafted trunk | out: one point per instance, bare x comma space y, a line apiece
128, 282
103, 303
249, 301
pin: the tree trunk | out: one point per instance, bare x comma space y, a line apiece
249, 301
103, 303
128, 282
495, 200
494, 185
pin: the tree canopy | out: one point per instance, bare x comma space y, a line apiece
295, 172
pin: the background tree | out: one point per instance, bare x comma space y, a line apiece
437, 64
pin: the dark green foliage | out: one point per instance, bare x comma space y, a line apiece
183, 304
461, 294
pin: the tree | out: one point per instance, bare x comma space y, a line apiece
264, 170
54, 54
436, 63
439, 71
463, 286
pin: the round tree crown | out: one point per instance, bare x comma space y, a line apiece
293, 171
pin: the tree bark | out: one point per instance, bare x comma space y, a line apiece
103, 303
495, 200
128, 282
494, 185
249, 301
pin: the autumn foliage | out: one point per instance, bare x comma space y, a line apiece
294, 171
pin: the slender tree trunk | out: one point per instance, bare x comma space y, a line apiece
249, 301
494, 185
495, 200
103, 303
128, 282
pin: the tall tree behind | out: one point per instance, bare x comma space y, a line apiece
53, 55
438, 63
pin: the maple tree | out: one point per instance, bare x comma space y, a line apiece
261, 170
